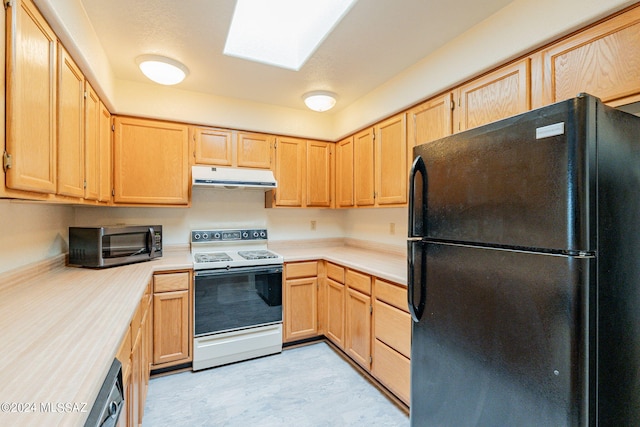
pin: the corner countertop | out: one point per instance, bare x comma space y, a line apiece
61, 327
390, 266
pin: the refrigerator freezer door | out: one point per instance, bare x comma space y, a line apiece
524, 182
503, 340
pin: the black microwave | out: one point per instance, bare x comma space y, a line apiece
100, 247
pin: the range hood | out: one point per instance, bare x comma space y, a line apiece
213, 176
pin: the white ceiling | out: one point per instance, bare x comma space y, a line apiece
375, 41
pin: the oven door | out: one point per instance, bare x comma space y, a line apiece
237, 298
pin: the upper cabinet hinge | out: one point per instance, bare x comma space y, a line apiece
453, 105
86, 95
6, 161
370, 309
373, 133
113, 128
370, 360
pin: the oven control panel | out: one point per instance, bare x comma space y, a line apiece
227, 235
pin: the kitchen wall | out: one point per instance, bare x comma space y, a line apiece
30, 232
221, 208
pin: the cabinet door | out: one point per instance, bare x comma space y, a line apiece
171, 327
603, 61
344, 173
391, 161
70, 171
92, 149
429, 121
363, 167
213, 146
497, 95
358, 327
335, 312
105, 155
254, 150
30, 99
290, 171
151, 163
300, 309
319, 171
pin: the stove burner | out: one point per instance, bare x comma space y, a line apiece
259, 254
212, 257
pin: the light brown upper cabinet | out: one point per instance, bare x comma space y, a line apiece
31, 100
430, 120
603, 61
224, 147
213, 146
344, 173
91, 143
105, 154
319, 173
150, 162
71, 159
254, 150
363, 168
304, 171
290, 171
391, 161
379, 164
502, 93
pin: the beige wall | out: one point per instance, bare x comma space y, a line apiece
31, 232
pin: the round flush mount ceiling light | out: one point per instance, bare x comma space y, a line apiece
319, 100
161, 69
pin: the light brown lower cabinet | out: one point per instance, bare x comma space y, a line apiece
358, 311
364, 316
135, 356
392, 338
335, 312
300, 300
172, 337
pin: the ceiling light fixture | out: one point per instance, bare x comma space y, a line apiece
319, 100
283, 33
161, 69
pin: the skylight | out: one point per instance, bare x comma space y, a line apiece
283, 33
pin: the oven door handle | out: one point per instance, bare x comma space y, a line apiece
239, 270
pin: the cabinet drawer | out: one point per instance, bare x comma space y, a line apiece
392, 369
302, 269
395, 295
171, 282
393, 327
359, 281
335, 272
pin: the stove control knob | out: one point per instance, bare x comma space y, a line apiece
263, 234
205, 236
216, 236
196, 236
255, 234
245, 235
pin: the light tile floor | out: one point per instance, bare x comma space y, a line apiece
303, 386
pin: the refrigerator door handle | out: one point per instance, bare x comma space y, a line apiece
416, 283
417, 197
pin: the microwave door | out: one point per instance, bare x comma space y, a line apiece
417, 198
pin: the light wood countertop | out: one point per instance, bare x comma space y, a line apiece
389, 265
59, 333
60, 327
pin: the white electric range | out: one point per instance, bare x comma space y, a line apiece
237, 296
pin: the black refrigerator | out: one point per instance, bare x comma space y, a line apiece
524, 271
